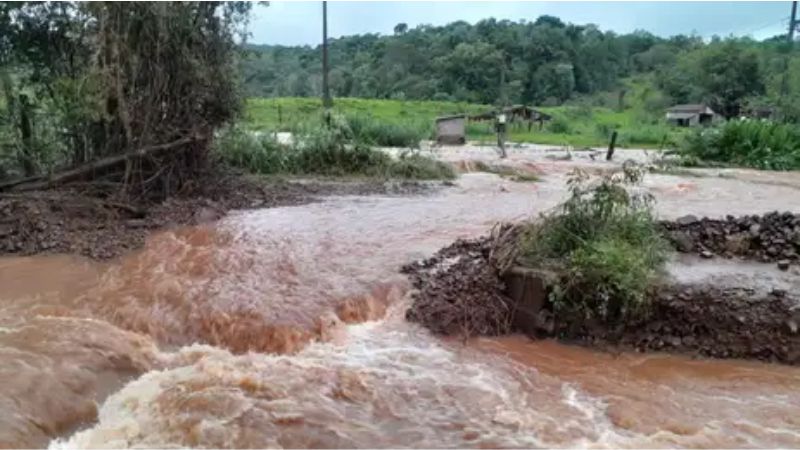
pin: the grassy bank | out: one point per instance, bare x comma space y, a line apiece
575, 125
319, 150
748, 143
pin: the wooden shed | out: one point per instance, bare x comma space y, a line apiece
690, 115
451, 130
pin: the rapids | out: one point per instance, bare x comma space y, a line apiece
284, 327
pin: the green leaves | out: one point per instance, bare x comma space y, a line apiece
748, 143
605, 242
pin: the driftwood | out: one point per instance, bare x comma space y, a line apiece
504, 246
47, 181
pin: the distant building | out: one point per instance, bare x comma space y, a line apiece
761, 112
516, 114
690, 115
451, 130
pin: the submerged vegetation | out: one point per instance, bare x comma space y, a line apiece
316, 149
605, 241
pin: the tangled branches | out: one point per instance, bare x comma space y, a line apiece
151, 83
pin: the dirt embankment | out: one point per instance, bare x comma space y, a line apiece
773, 237
69, 220
460, 291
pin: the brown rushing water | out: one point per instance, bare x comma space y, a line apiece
233, 336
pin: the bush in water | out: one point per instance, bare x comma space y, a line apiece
606, 242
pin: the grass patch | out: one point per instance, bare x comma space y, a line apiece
321, 150
745, 143
403, 123
388, 134
606, 241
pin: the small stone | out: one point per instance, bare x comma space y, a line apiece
6, 230
136, 223
706, 254
783, 264
791, 326
683, 242
778, 292
687, 220
755, 229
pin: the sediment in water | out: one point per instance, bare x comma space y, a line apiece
75, 221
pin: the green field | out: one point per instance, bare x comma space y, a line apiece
578, 126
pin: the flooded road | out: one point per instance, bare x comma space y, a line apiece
284, 327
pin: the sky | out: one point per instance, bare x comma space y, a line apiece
299, 22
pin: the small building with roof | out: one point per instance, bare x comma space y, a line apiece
690, 115
451, 130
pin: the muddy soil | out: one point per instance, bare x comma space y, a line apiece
695, 319
459, 291
69, 220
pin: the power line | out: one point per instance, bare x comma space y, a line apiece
751, 29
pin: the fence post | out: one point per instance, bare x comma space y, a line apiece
611, 145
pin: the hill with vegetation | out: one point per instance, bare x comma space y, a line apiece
545, 63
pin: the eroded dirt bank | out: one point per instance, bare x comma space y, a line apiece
73, 221
461, 291
236, 334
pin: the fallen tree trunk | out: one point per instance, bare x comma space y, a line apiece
47, 181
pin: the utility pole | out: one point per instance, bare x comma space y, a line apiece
326, 93
789, 47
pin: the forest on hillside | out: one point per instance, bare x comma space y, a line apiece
544, 62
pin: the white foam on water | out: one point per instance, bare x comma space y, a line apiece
384, 387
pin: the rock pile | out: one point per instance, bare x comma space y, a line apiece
729, 322
459, 291
773, 237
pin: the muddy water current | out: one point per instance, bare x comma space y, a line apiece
284, 327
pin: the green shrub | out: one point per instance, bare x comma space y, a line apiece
328, 151
387, 134
559, 125
607, 242
608, 274
254, 153
321, 150
748, 143
643, 134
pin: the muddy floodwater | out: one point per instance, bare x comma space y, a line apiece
284, 327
